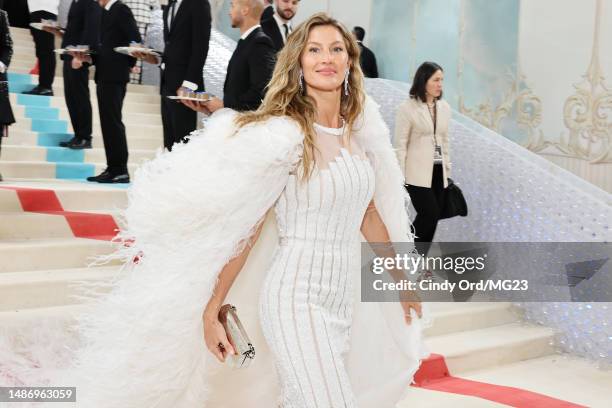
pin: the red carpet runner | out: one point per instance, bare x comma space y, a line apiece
434, 375
83, 225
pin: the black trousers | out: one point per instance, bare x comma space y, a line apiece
76, 93
178, 121
110, 104
428, 205
45, 44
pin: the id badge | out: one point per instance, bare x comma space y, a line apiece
438, 154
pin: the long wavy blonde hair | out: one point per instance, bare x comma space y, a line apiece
285, 98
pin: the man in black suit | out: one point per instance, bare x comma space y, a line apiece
367, 59
82, 28
268, 11
118, 29
279, 26
250, 68
187, 25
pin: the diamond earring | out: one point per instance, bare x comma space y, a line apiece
346, 82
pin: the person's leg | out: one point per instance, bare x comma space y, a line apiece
166, 114
428, 212
110, 102
184, 121
45, 44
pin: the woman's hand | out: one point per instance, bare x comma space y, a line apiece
215, 337
411, 301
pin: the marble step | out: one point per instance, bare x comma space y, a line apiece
46, 254
71, 195
55, 154
58, 102
63, 126
22, 112
35, 225
23, 137
36, 289
25, 77
454, 317
492, 346
49, 170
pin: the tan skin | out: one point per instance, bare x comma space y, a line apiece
433, 88
324, 62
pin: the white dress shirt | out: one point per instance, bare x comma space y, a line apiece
51, 6
281, 27
176, 8
109, 4
249, 31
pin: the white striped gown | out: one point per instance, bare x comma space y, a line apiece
306, 300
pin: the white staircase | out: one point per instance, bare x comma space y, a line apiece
48, 213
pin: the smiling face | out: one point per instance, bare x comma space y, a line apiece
325, 59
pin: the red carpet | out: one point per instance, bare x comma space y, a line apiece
434, 375
83, 225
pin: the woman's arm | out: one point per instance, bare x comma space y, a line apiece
374, 230
214, 333
403, 128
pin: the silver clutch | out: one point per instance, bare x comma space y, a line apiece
237, 336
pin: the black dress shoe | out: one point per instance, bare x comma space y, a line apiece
68, 143
79, 144
109, 178
38, 90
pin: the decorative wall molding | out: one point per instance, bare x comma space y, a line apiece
587, 114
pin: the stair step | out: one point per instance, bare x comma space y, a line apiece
477, 349
64, 126
60, 170
47, 254
37, 289
62, 154
24, 112
58, 99
39, 225
455, 317
23, 137
72, 195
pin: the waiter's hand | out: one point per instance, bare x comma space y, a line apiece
214, 104
76, 63
146, 57
54, 30
196, 106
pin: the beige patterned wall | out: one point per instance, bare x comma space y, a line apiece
560, 95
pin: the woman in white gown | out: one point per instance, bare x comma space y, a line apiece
307, 296
319, 154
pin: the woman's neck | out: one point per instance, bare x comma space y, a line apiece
328, 107
429, 99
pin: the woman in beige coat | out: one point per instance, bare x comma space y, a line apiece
421, 142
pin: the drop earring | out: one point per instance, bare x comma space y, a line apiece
346, 82
301, 81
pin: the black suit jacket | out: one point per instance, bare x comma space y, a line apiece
6, 52
267, 13
118, 28
186, 45
6, 43
249, 72
367, 61
83, 26
272, 30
